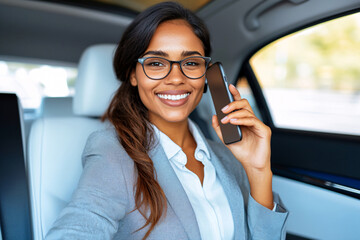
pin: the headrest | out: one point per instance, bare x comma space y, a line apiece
96, 82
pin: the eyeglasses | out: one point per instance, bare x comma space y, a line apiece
157, 68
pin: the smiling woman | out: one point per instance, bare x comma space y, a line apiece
153, 175
170, 39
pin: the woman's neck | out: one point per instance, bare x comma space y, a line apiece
178, 132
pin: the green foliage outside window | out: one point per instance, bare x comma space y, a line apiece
325, 56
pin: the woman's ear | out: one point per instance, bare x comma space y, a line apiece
133, 79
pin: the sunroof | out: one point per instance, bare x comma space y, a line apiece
140, 5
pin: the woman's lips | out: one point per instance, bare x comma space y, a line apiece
173, 99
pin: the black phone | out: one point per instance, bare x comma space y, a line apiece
221, 96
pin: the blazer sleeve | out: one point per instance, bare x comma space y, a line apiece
264, 223
100, 201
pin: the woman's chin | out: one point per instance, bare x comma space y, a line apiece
176, 119
167, 117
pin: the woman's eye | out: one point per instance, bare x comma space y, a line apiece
155, 64
191, 63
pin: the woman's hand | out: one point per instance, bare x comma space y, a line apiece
253, 151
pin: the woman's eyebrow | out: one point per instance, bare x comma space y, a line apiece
190, 53
156, 53
164, 54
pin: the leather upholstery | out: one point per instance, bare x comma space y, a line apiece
96, 81
56, 143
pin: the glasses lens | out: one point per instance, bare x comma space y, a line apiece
194, 67
156, 68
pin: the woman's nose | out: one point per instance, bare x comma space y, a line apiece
175, 76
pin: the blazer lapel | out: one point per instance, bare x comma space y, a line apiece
175, 194
233, 193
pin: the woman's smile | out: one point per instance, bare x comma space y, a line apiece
173, 98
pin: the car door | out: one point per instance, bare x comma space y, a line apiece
297, 62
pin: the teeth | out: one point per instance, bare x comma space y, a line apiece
173, 97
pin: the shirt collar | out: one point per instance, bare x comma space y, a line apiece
199, 139
171, 148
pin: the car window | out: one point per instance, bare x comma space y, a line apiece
242, 85
33, 81
311, 78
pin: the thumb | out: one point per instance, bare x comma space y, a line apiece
216, 126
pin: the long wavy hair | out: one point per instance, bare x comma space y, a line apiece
129, 115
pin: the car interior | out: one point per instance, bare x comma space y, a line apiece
316, 165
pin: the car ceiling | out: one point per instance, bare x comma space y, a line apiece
41, 30
59, 32
136, 5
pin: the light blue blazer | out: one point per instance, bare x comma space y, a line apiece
102, 205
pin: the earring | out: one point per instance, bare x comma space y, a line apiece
205, 86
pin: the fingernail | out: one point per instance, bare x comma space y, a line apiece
224, 119
224, 108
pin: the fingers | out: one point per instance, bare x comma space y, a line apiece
242, 118
239, 104
245, 118
242, 113
239, 112
236, 94
254, 124
216, 126
246, 121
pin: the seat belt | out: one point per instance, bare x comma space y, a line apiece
15, 217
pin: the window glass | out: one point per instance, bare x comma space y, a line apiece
245, 91
311, 78
32, 82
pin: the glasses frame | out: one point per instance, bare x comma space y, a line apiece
207, 61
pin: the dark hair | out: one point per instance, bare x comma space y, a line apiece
129, 115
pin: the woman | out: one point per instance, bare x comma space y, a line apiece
153, 175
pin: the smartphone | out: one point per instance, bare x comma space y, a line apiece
221, 97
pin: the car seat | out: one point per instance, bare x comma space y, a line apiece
57, 106
56, 143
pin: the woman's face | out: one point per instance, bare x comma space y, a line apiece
173, 40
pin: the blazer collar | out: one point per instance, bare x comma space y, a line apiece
175, 193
